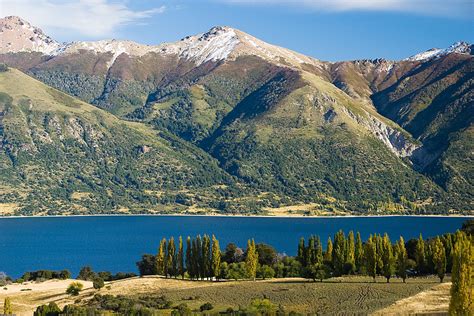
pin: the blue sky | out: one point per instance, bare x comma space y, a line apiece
325, 29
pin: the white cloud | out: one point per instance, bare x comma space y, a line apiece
425, 7
90, 18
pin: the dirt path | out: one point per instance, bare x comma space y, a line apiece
432, 301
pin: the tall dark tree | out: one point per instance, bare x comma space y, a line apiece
339, 252
189, 260
180, 258
370, 253
420, 255
359, 252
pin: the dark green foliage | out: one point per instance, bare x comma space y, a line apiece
45, 275
206, 307
48, 310
3, 67
86, 274
147, 265
98, 283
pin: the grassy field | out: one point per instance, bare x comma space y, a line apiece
347, 295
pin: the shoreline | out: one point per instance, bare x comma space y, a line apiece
237, 216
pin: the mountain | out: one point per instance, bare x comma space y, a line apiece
285, 129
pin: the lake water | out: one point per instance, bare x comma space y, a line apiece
115, 243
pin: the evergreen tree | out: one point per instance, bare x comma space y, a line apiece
370, 252
420, 255
462, 275
439, 258
180, 258
160, 258
170, 266
339, 252
401, 257
189, 261
328, 253
251, 260
301, 251
359, 252
7, 306
387, 258
216, 258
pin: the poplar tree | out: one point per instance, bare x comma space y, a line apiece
387, 258
160, 258
370, 252
339, 251
199, 258
189, 262
195, 259
301, 251
216, 258
7, 306
170, 265
319, 251
350, 249
251, 261
439, 259
180, 258
462, 275
379, 252
358, 252
420, 255
206, 256
328, 253
402, 258
311, 251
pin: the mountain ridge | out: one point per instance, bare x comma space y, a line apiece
351, 135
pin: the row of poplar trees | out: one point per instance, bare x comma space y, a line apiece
200, 260
377, 255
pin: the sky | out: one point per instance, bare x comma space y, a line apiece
325, 29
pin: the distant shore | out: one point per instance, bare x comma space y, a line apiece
237, 216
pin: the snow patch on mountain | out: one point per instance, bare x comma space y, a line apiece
17, 35
458, 47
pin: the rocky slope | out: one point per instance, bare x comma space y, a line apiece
357, 135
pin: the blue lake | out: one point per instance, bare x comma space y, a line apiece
115, 243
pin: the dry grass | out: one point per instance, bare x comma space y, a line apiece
339, 295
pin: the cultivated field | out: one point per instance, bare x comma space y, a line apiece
347, 295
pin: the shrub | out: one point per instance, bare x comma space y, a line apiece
3, 67
86, 274
48, 310
98, 283
74, 288
206, 307
265, 272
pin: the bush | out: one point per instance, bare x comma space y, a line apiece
74, 288
98, 283
236, 271
48, 310
181, 310
265, 272
206, 307
3, 67
147, 265
86, 274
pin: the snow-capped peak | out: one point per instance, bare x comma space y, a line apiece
458, 47
17, 35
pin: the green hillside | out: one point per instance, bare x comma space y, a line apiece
60, 155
